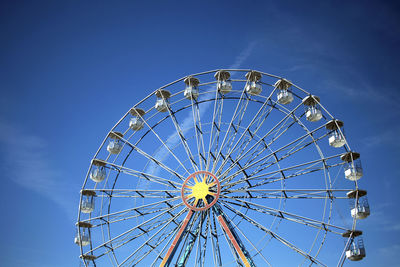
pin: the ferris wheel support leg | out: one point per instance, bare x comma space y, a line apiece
188, 249
176, 241
233, 237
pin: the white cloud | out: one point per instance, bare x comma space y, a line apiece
395, 227
243, 56
390, 251
387, 137
356, 85
27, 163
381, 218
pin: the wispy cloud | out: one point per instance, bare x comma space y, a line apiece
390, 251
381, 218
27, 163
162, 154
347, 81
386, 137
243, 56
299, 67
395, 227
364, 90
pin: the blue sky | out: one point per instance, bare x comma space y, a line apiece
69, 70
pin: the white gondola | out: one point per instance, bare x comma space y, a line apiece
87, 204
362, 210
89, 260
136, 123
359, 204
162, 102
253, 86
224, 85
83, 238
98, 171
284, 95
115, 145
313, 113
191, 89
336, 133
356, 250
352, 170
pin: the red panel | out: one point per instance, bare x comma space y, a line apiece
233, 240
177, 238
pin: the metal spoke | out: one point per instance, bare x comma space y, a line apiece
138, 193
253, 162
143, 175
285, 215
127, 239
151, 238
251, 243
152, 248
217, 152
299, 172
287, 193
199, 133
192, 237
262, 138
159, 163
136, 227
214, 238
198, 237
136, 209
163, 143
206, 237
217, 113
273, 234
230, 151
182, 138
159, 257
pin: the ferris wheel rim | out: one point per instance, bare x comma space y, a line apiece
177, 125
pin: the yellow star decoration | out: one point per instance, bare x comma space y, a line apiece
200, 190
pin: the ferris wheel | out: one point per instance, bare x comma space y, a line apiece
223, 168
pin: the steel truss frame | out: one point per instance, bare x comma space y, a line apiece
251, 163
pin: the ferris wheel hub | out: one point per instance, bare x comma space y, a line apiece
200, 191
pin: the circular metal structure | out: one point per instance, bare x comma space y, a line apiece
200, 191
223, 168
